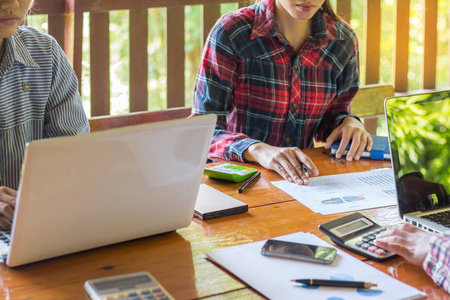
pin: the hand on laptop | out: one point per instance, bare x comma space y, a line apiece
7, 203
350, 129
408, 241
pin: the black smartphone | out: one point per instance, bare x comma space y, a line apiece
311, 253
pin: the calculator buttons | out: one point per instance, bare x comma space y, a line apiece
366, 244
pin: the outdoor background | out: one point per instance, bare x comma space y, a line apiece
119, 50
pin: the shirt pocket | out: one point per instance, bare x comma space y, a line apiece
262, 96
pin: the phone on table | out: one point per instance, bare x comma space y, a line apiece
299, 251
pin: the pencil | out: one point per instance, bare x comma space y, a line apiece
250, 180
335, 283
334, 157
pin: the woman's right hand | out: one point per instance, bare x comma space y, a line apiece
285, 161
7, 203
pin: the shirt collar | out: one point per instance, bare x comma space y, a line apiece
16, 50
324, 27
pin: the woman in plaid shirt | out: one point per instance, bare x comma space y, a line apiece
278, 74
431, 251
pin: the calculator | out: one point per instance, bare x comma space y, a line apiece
133, 286
230, 172
357, 233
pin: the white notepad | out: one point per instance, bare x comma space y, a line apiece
271, 276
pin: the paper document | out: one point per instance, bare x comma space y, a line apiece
344, 192
271, 275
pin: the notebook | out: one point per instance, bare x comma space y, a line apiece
419, 136
106, 187
380, 148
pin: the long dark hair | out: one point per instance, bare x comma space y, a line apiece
326, 7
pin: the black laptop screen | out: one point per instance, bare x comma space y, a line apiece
419, 134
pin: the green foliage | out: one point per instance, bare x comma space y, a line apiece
423, 131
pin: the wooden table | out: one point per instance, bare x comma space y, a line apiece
177, 259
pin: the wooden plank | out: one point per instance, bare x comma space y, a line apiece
56, 27
344, 9
401, 50
108, 5
99, 50
109, 122
44, 7
211, 13
372, 40
78, 39
430, 45
138, 60
175, 57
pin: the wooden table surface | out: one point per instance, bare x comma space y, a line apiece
177, 259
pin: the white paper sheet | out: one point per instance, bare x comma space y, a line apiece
271, 276
344, 192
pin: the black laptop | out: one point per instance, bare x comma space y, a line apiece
419, 136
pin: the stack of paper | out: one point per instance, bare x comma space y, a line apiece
344, 192
271, 276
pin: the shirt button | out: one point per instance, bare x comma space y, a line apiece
294, 104
235, 156
288, 139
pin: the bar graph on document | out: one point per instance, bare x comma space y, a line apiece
344, 192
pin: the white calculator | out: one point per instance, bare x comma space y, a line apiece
134, 286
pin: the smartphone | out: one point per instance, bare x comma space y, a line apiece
311, 253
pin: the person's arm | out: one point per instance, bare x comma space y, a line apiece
338, 123
437, 262
214, 92
64, 112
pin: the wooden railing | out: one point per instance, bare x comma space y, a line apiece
66, 24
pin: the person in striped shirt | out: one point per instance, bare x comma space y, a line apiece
38, 96
429, 250
278, 74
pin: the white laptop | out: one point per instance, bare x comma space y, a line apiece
419, 136
87, 191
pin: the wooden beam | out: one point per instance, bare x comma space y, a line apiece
211, 13
78, 39
175, 57
430, 45
100, 80
138, 60
108, 5
372, 39
401, 45
344, 9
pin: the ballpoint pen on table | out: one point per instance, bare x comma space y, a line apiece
334, 157
250, 180
335, 283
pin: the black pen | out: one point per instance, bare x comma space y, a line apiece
334, 157
250, 180
335, 283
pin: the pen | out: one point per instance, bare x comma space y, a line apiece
305, 170
336, 283
250, 180
334, 157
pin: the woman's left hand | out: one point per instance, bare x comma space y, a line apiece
350, 129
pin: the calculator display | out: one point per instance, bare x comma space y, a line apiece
122, 283
351, 227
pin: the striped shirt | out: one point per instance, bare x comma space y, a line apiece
38, 98
437, 262
262, 90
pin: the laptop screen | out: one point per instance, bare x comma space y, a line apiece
419, 135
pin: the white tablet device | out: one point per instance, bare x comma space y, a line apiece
212, 203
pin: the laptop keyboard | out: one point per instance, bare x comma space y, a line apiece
5, 240
442, 218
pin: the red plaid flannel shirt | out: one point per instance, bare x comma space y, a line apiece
262, 90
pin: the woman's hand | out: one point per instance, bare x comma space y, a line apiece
288, 162
350, 129
7, 203
409, 241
